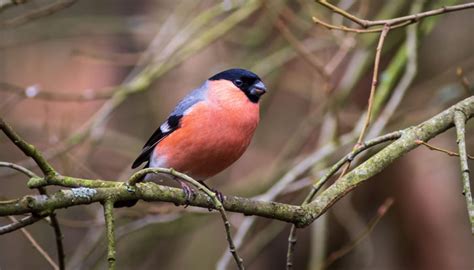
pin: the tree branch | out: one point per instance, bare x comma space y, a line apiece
439, 149
320, 183
299, 215
27, 149
424, 131
215, 200
37, 246
460, 120
381, 211
18, 168
18, 224
30, 220
58, 235
110, 228
393, 23
373, 86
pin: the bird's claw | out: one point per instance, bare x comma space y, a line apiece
219, 195
189, 193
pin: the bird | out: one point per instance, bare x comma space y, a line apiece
209, 129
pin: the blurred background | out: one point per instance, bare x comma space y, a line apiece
88, 81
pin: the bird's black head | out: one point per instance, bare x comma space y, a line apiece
245, 80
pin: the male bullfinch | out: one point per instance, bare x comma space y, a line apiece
209, 129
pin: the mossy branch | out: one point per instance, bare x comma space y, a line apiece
460, 120
110, 232
91, 191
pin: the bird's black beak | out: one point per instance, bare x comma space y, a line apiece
258, 89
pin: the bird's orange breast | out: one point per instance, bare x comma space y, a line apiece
213, 134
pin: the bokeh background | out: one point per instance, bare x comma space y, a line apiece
59, 79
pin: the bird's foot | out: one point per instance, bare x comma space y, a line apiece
189, 193
219, 194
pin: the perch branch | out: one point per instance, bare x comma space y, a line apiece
217, 204
299, 215
424, 131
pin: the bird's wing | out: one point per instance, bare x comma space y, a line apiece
171, 124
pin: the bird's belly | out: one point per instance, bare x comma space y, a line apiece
208, 141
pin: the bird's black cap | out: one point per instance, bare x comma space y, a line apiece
245, 80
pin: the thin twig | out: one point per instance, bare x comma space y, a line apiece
342, 12
292, 236
459, 121
27, 149
18, 168
355, 30
406, 80
301, 49
345, 170
18, 224
36, 245
281, 185
418, 16
53, 220
320, 183
375, 76
291, 247
382, 210
434, 148
375, 131
58, 235
110, 228
349, 157
217, 203
394, 23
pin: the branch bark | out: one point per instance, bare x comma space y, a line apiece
301, 216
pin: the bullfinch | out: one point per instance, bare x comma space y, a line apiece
209, 129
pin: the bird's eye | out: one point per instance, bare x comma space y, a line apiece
238, 82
